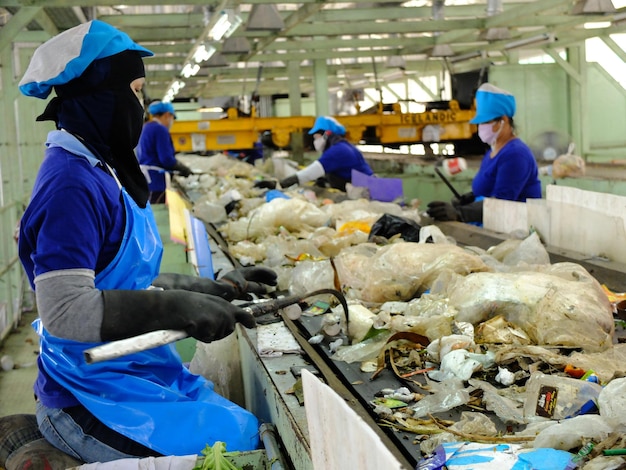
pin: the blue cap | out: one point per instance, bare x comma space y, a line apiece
327, 123
67, 55
161, 107
491, 103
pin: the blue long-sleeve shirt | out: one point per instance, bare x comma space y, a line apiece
512, 174
156, 148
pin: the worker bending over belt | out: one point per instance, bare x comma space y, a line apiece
156, 151
508, 169
90, 248
339, 157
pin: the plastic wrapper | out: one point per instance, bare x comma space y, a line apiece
254, 252
361, 320
399, 271
441, 346
331, 244
448, 395
308, 276
568, 166
497, 330
292, 214
509, 411
574, 432
461, 364
475, 423
561, 306
612, 402
432, 327
367, 350
556, 397
529, 251
360, 209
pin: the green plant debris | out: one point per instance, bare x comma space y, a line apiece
215, 458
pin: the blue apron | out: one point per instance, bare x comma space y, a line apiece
149, 397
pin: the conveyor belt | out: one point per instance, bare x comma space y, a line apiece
355, 388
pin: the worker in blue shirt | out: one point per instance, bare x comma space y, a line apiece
156, 151
339, 157
89, 245
507, 171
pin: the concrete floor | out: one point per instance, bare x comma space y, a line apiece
16, 385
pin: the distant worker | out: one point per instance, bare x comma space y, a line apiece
508, 169
156, 151
339, 157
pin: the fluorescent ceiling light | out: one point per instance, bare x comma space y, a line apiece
225, 25
597, 25
189, 70
203, 53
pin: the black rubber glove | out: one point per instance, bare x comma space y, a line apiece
464, 199
442, 211
207, 318
182, 169
236, 284
472, 212
265, 184
289, 181
242, 282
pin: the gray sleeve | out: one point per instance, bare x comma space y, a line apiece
69, 304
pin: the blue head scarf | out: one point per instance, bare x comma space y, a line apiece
94, 100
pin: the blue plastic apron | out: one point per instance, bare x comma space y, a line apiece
150, 396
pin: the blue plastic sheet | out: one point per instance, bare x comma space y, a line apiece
476, 456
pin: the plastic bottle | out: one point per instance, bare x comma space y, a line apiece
556, 397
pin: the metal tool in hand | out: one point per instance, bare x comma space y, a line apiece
447, 182
153, 339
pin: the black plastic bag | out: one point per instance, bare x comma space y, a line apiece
389, 225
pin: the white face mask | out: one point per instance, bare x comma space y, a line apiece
486, 133
319, 142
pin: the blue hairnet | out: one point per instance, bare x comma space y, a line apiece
491, 103
67, 55
161, 107
327, 123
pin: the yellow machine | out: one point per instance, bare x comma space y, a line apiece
442, 122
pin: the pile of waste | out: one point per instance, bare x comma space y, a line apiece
529, 346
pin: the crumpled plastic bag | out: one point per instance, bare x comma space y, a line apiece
292, 214
398, 271
568, 166
560, 306
390, 225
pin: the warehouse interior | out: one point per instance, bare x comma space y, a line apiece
242, 74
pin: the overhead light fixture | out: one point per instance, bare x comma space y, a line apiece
494, 34
226, 24
173, 90
593, 7
189, 70
442, 50
264, 17
203, 53
540, 39
217, 60
236, 45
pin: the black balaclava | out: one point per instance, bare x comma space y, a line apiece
100, 109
